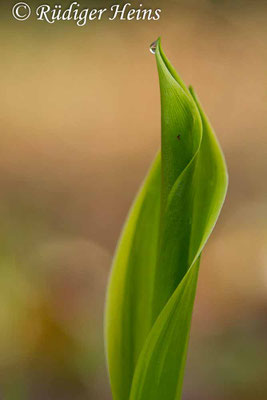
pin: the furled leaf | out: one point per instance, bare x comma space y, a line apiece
154, 276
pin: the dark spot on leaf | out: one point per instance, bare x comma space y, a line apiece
179, 137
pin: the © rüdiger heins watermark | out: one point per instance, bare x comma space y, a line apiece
81, 16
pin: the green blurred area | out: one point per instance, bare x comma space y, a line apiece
80, 123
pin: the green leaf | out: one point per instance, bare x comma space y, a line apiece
129, 298
154, 275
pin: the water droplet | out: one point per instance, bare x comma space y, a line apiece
153, 47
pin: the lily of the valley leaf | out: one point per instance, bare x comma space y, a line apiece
154, 274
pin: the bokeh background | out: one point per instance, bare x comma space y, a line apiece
80, 124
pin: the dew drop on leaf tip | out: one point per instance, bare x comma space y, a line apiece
153, 47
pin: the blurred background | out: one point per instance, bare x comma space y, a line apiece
80, 124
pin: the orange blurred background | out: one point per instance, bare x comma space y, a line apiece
80, 124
